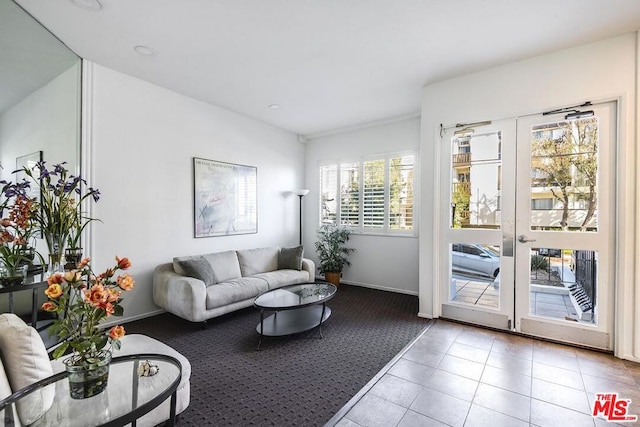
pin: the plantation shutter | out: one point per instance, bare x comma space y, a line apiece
373, 194
349, 194
401, 183
328, 193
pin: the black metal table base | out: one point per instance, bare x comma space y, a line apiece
289, 322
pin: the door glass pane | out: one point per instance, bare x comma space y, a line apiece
564, 175
476, 180
475, 278
563, 284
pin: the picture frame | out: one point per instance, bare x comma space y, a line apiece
225, 198
30, 161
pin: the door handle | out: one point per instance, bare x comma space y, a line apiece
523, 239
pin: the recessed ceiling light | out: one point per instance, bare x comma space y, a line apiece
145, 50
88, 4
274, 106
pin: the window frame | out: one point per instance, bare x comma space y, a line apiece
335, 166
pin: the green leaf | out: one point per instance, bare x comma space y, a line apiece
59, 351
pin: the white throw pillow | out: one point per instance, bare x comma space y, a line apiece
26, 361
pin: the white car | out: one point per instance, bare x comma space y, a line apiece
475, 259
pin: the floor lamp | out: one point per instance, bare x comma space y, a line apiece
301, 194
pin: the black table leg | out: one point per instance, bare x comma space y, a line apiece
261, 327
324, 306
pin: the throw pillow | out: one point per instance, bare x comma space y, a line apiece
25, 361
290, 258
198, 268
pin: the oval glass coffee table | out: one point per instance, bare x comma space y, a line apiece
298, 308
126, 398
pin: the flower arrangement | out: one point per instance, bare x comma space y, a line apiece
60, 216
82, 300
17, 229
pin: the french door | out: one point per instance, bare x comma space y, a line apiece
528, 220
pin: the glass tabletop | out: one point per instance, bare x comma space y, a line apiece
126, 398
296, 296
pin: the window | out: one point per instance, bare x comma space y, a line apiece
542, 204
374, 194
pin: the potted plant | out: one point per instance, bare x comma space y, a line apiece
81, 299
16, 231
60, 215
332, 253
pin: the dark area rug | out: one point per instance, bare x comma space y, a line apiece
300, 380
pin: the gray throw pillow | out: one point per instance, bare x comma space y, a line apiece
290, 258
199, 268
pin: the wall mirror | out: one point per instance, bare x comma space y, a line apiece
39, 92
40, 97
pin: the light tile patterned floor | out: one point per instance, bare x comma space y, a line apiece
458, 375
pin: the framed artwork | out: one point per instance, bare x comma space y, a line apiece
29, 161
225, 198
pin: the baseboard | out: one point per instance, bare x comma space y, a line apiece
120, 320
378, 287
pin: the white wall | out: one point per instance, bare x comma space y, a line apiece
141, 143
598, 71
382, 262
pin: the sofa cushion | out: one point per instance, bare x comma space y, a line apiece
225, 265
290, 258
254, 261
198, 268
26, 362
279, 278
235, 290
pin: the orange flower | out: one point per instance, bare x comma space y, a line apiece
72, 276
97, 295
126, 282
56, 278
123, 263
6, 222
109, 272
53, 291
49, 306
114, 295
116, 332
84, 262
6, 237
109, 308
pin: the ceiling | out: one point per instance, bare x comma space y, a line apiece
328, 64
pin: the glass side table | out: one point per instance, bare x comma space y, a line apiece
126, 398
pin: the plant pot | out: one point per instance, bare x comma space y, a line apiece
12, 276
88, 380
333, 278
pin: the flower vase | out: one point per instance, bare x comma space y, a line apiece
88, 380
55, 243
12, 275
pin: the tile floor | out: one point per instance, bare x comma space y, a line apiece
459, 375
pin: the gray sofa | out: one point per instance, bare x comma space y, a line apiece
201, 287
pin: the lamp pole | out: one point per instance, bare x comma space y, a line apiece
301, 194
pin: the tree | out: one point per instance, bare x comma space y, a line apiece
566, 154
585, 138
552, 157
